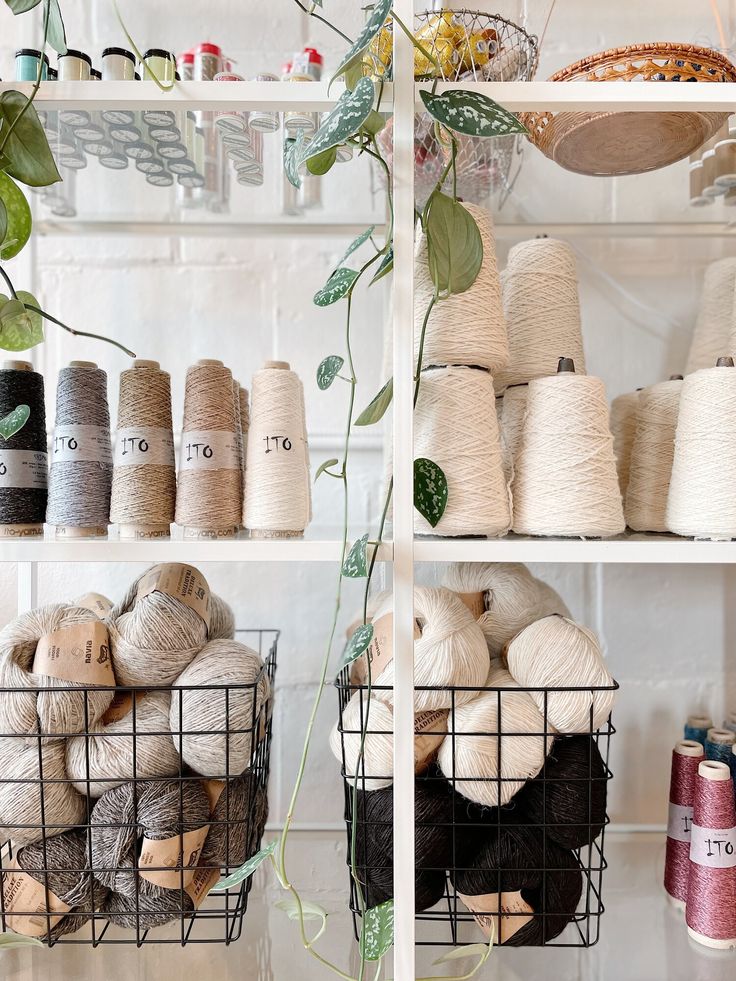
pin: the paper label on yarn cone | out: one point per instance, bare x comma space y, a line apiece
475, 602
713, 848
79, 652
171, 862
199, 887
679, 822
213, 789
25, 903
24, 469
381, 649
426, 745
209, 449
81, 444
94, 602
140, 446
183, 582
506, 913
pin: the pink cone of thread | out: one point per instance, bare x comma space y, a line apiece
711, 894
686, 757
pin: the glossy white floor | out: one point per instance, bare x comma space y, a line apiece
269, 949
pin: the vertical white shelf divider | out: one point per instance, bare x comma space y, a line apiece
403, 455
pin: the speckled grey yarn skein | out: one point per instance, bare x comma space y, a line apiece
26, 505
110, 749
147, 912
60, 711
79, 490
222, 620
213, 727
237, 823
22, 818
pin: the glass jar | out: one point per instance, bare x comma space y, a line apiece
118, 65
26, 65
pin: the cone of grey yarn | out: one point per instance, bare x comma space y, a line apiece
138, 745
22, 817
61, 711
237, 823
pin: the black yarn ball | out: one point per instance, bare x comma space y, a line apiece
24, 505
521, 859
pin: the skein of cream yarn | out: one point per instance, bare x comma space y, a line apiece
645, 505
278, 501
511, 425
702, 497
565, 482
144, 474
623, 428
455, 426
471, 761
713, 330
542, 308
512, 598
377, 766
556, 653
469, 327
208, 499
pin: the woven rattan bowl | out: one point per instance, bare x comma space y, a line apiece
617, 143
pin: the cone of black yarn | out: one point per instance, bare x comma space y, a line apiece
23, 505
520, 859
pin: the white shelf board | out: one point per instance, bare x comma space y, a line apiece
276, 226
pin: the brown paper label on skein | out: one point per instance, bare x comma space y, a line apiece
514, 911
475, 602
381, 649
120, 706
199, 887
25, 903
94, 602
171, 862
213, 789
426, 745
183, 582
80, 652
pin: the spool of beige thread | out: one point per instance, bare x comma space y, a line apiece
513, 407
623, 428
244, 407
712, 333
209, 487
239, 436
144, 473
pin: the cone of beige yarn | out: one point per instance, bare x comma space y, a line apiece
650, 469
64, 709
504, 596
623, 428
469, 327
30, 808
511, 426
713, 333
215, 710
136, 744
222, 619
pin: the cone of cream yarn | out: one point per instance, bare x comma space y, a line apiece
565, 481
455, 426
469, 327
623, 428
702, 497
540, 298
511, 425
650, 468
557, 653
712, 335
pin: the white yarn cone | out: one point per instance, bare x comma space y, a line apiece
540, 298
466, 328
513, 407
702, 497
455, 426
565, 482
623, 427
650, 468
713, 333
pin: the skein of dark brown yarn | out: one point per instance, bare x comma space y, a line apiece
236, 824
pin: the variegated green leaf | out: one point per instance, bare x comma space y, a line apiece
14, 421
324, 467
372, 26
246, 869
376, 409
385, 266
344, 120
377, 934
292, 158
323, 162
356, 244
355, 565
357, 645
430, 490
471, 113
336, 287
328, 370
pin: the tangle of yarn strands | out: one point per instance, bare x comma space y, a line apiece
455, 426
540, 298
702, 497
23, 457
466, 328
623, 427
650, 468
713, 333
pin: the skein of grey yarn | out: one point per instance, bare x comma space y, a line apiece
147, 912
222, 619
35, 800
19, 386
79, 491
61, 865
236, 824
138, 745
61, 711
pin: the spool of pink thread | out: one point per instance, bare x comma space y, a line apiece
711, 892
686, 757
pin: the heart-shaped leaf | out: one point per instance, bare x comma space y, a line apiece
336, 287
20, 328
292, 158
356, 244
323, 467
374, 123
322, 162
357, 645
57, 34
430, 490
14, 421
471, 113
454, 245
376, 409
328, 370
385, 266
246, 869
355, 565
377, 934
371, 27
27, 156
3, 221
343, 121
18, 217
309, 910
8, 941
37, 332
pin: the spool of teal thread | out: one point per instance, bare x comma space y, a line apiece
26, 65
697, 727
719, 744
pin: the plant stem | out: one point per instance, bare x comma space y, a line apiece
8, 282
420, 355
79, 333
311, 13
36, 84
417, 45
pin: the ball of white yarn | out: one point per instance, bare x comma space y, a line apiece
512, 598
377, 767
712, 335
222, 620
20, 802
558, 653
138, 745
476, 748
450, 650
58, 711
214, 729
511, 425
466, 328
623, 429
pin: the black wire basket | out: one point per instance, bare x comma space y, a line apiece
191, 912
485, 842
